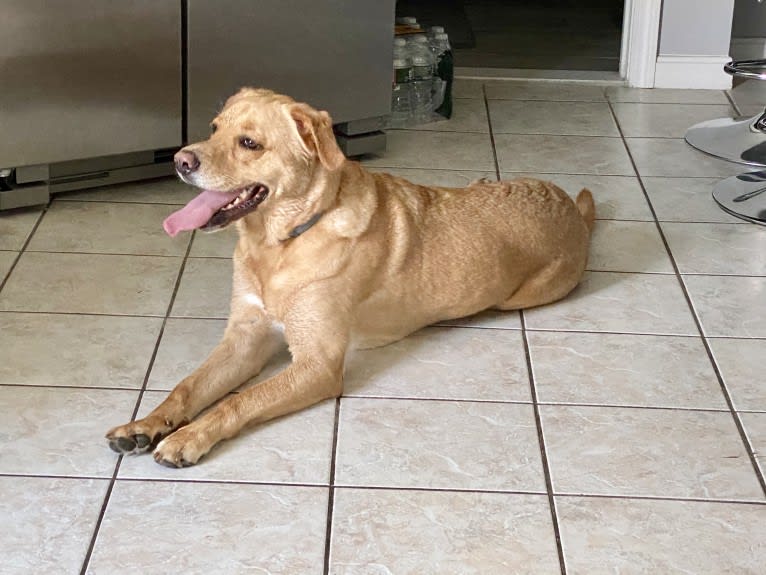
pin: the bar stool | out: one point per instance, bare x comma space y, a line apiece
738, 140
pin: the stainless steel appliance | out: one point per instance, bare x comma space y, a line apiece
103, 91
86, 80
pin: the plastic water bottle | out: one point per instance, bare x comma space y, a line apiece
423, 68
433, 31
408, 21
444, 66
401, 90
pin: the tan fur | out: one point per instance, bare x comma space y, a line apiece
386, 258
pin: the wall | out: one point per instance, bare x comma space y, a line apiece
694, 44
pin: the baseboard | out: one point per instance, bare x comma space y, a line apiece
692, 72
748, 48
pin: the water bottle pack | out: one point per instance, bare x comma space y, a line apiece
422, 80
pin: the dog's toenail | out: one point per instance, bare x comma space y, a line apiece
142, 440
164, 462
125, 444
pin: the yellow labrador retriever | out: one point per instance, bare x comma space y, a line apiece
331, 256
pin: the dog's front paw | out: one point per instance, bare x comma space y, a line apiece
138, 436
183, 448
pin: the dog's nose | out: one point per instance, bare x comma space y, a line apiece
186, 162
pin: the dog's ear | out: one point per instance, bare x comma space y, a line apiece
315, 131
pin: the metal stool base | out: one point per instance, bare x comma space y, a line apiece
743, 196
740, 140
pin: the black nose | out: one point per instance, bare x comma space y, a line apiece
186, 162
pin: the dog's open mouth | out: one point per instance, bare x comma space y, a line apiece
245, 202
212, 210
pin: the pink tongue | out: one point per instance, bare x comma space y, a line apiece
198, 212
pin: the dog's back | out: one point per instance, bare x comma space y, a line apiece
451, 252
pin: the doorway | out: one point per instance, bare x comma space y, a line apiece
527, 34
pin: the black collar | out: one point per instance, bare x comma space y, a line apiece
298, 230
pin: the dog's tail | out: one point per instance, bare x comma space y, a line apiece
586, 207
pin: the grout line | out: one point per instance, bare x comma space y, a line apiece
491, 133
24, 246
714, 500
331, 491
100, 519
76, 253
663, 498
543, 451
724, 389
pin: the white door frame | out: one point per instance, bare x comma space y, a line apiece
640, 39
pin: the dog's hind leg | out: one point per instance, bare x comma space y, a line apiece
247, 345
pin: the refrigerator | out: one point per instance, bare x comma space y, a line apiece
97, 92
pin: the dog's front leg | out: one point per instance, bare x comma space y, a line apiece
247, 345
316, 373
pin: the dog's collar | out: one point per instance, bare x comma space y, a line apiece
298, 230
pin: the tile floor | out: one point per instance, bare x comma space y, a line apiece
618, 431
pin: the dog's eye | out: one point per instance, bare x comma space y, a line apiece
213, 128
250, 144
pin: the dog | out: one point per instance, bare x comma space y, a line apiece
332, 257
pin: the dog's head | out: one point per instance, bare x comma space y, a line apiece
265, 152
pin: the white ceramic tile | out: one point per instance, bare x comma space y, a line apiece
49, 523
675, 158
555, 118
15, 227
488, 319
631, 536
211, 528
621, 302
616, 197
219, 244
729, 306
205, 289
686, 200
755, 427
740, 362
468, 115
90, 283
649, 452
614, 369
665, 96
467, 88
628, 247
389, 531
551, 91
76, 350
725, 249
107, 228
52, 431
443, 363
185, 344
168, 190
446, 178
414, 443
435, 150
567, 154
665, 120
6, 261
295, 448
